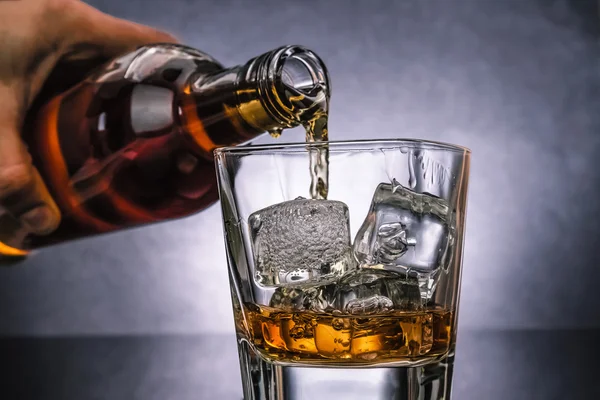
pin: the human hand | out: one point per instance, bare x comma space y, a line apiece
39, 40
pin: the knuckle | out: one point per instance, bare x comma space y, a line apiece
58, 7
59, 15
15, 179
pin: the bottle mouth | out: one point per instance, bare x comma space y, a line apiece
302, 73
299, 85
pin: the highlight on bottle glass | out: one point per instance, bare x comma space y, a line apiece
353, 287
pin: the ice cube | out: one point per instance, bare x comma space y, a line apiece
317, 298
301, 242
359, 292
371, 291
407, 232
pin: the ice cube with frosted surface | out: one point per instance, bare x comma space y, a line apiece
300, 242
407, 232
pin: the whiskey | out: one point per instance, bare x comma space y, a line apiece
329, 339
132, 144
316, 132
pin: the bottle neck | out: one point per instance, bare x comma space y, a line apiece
277, 90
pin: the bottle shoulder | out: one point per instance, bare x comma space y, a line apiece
169, 62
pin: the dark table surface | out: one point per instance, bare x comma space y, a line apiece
490, 365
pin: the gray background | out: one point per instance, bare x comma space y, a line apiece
517, 81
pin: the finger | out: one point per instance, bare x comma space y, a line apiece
22, 191
90, 32
12, 235
24, 195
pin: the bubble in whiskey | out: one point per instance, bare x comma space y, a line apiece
297, 332
337, 324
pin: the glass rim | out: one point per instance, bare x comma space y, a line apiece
356, 145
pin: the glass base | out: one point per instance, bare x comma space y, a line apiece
262, 380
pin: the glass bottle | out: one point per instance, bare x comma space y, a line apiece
132, 143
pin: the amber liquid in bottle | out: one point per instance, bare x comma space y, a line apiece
132, 144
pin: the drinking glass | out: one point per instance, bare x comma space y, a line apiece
356, 296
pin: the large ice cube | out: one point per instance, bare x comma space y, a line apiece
301, 242
359, 292
407, 232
